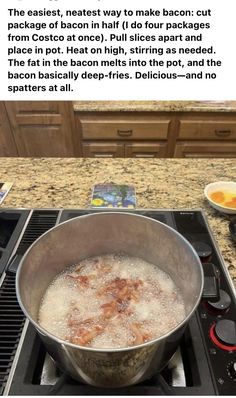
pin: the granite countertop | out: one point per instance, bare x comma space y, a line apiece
159, 183
155, 106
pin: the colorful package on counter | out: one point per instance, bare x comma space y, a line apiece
113, 196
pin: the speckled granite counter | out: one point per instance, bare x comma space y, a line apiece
160, 183
155, 106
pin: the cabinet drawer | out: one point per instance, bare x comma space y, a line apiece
207, 129
120, 129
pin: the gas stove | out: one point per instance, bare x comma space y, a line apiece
205, 362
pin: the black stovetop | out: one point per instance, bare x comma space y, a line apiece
205, 363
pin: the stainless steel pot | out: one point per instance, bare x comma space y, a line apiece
96, 234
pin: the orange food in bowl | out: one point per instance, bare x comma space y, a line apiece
230, 204
225, 199
218, 197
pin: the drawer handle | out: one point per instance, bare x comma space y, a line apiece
103, 155
125, 133
223, 133
144, 155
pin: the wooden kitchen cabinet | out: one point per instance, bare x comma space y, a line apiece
121, 150
43, 128
147, 150
157, 134
210, 135
123, 134
208, 129
203, 149
102, 150
207, 126
54, 129
7, 143
123, 127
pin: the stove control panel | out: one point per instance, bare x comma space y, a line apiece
217, 318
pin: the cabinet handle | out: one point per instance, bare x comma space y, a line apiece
125, 133
223, 133
144, 155
103, 155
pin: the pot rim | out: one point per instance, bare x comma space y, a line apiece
45, 333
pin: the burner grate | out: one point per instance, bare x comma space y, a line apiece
12, 322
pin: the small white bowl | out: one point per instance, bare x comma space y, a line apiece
220, 186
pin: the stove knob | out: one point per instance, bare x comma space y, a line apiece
223, 335
225, 331
231, 370
203, 250
223, 304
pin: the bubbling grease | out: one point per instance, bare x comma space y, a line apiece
111, 301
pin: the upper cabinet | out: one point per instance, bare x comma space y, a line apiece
43, 128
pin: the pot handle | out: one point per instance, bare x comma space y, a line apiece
211, 288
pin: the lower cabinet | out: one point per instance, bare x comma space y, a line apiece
54, 129
203, 149
102, 150
7, 142
43, 128
208, 135
147, 150
121, 150
124, 134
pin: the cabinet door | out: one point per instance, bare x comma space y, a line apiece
204, 149
42, 128
145, 150
102, 150
7, 143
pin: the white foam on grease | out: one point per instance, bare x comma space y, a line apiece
157, 308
